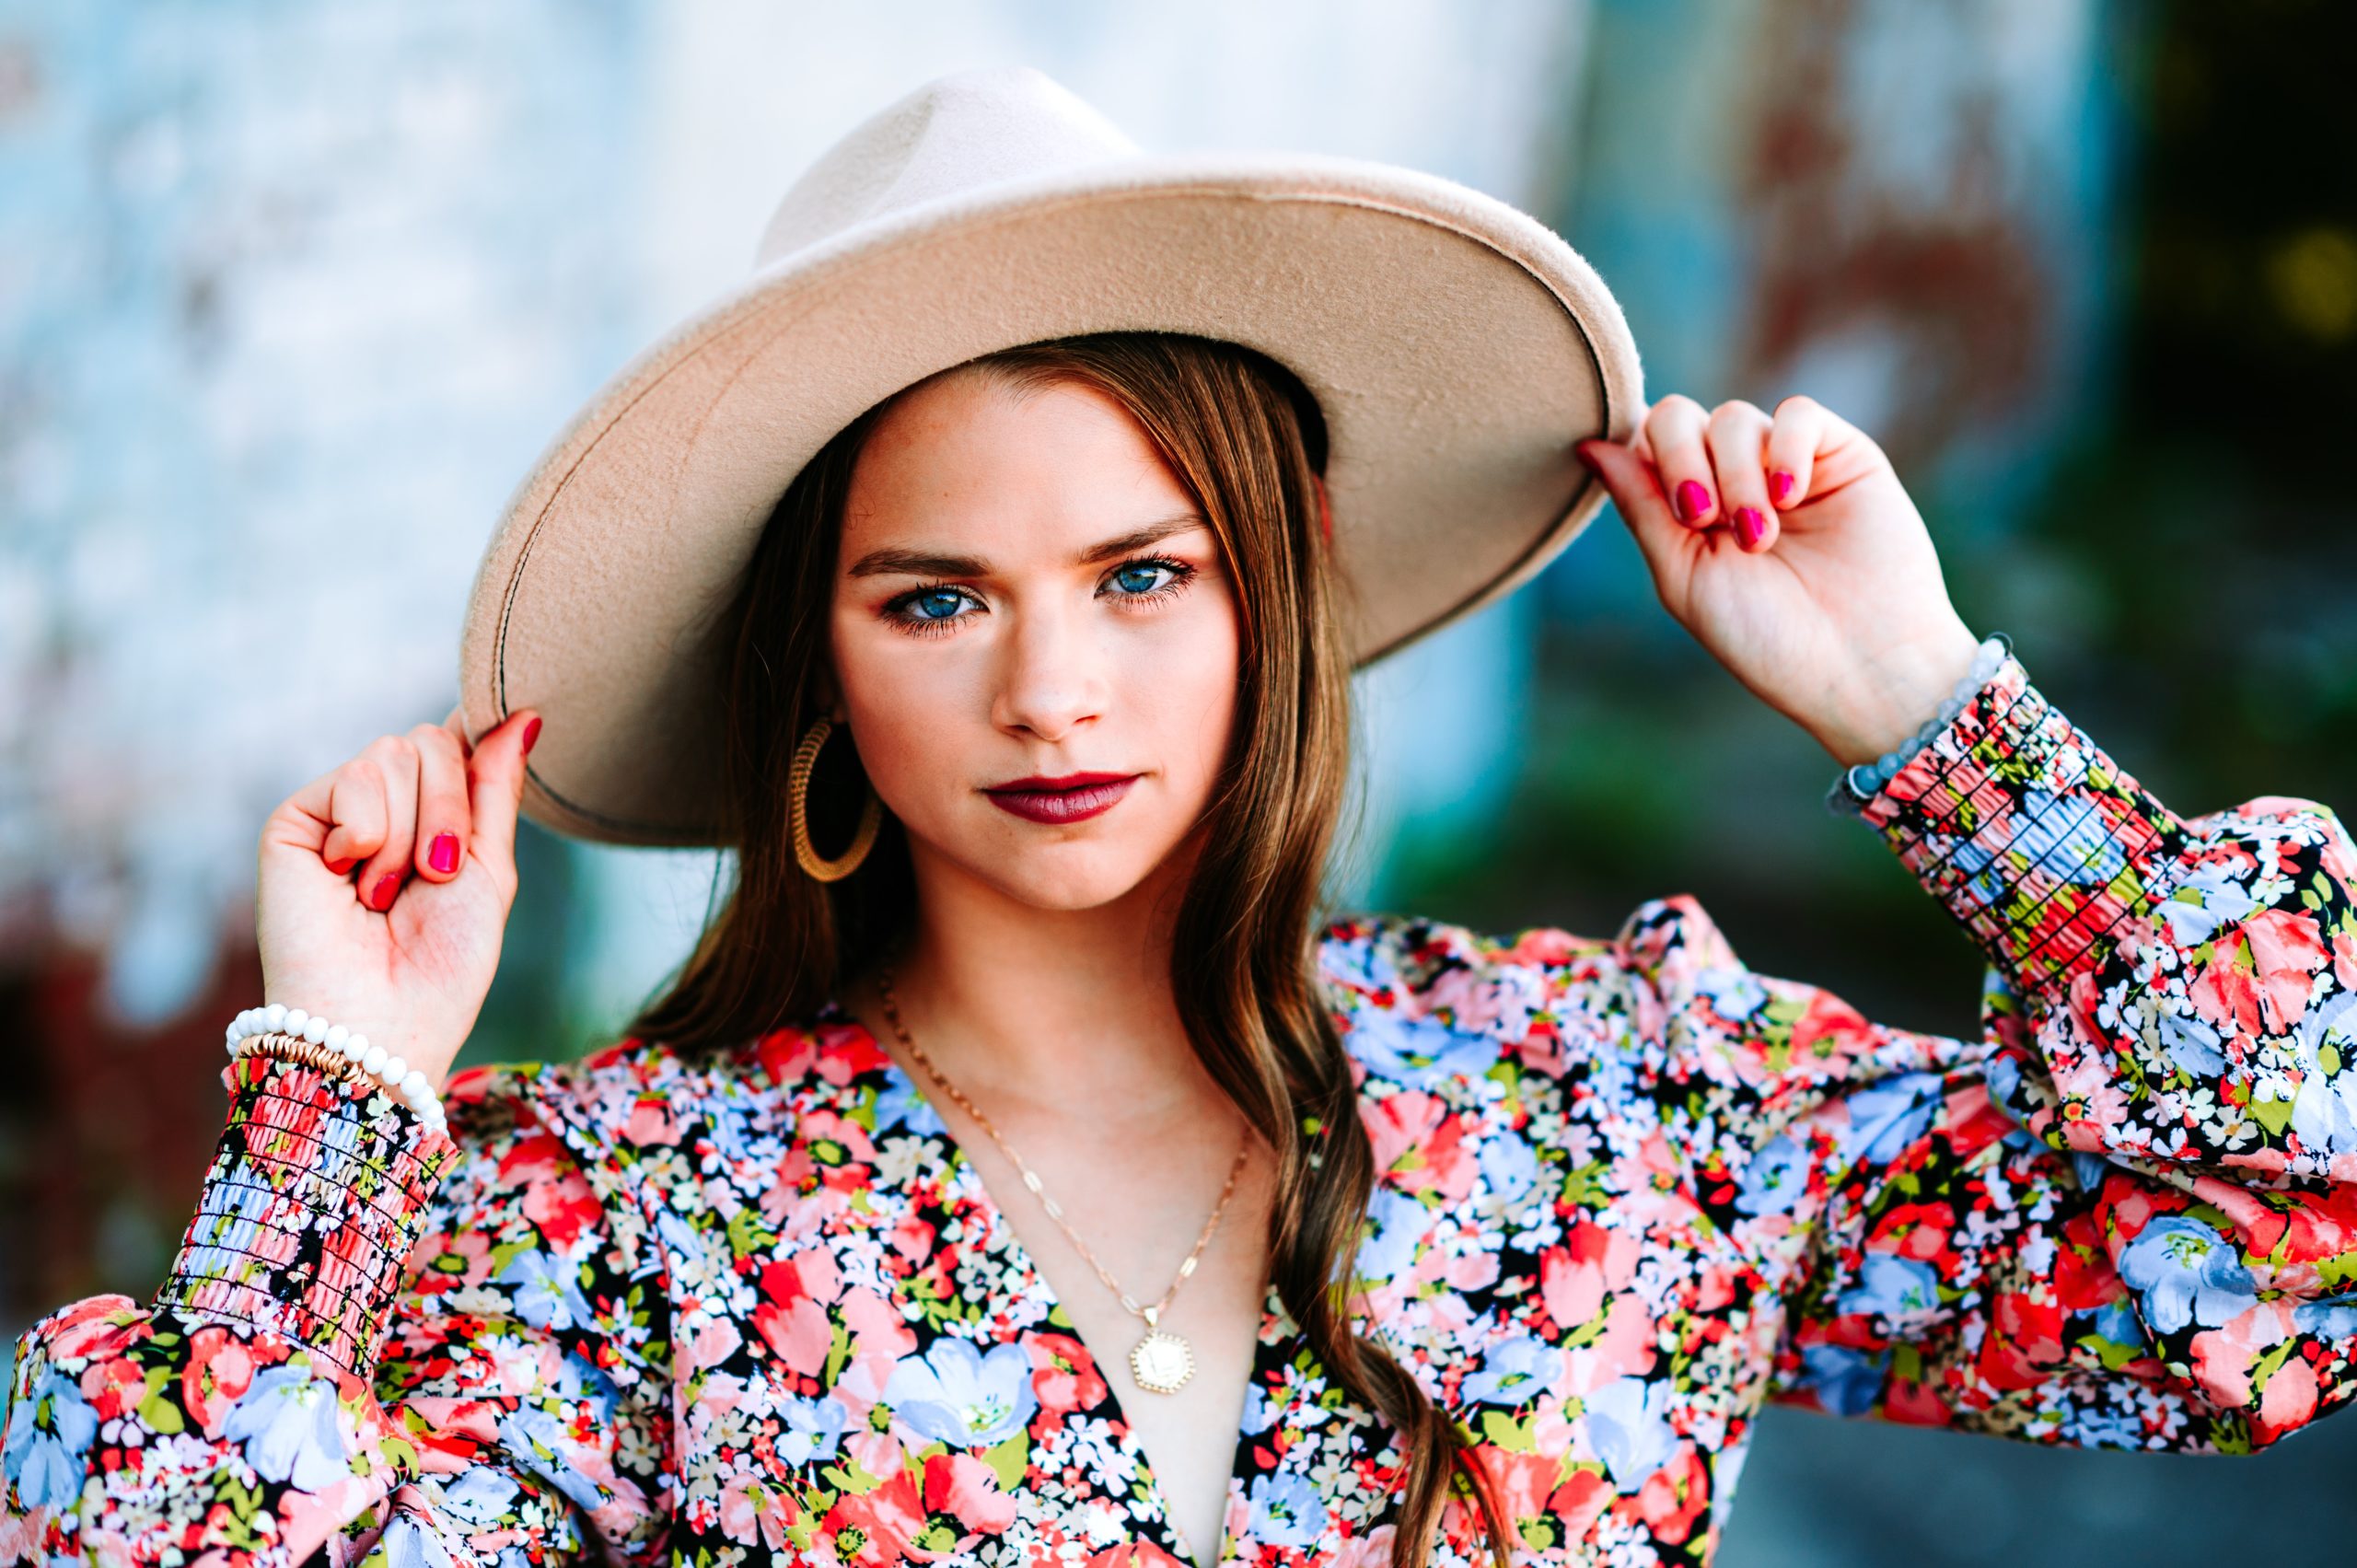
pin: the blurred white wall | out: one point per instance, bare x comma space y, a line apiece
287, 296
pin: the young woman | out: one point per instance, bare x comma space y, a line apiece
1019, 1170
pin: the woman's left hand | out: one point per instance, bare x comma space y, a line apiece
1789, 549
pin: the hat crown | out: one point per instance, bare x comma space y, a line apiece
970, 129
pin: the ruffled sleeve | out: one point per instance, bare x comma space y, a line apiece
2126, 1214
377, 1342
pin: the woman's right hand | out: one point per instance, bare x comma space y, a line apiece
385, 886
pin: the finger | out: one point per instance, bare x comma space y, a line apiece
444, 817
382, 874
355, 804
1739, 440
1636, 489
496, 775
1674, 431
1801, 429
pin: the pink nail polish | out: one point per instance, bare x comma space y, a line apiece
444, 855
1586, 461
387, 886
1779, 485
1748, 526
1692, 500
532, 732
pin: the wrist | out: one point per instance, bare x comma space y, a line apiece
1859, 785
400, 1034
1893, 695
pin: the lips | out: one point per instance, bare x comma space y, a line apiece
1071, 798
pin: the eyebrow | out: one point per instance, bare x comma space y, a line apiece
925, 564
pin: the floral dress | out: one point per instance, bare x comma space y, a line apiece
655, 1309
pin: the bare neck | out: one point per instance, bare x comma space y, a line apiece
1073, 1007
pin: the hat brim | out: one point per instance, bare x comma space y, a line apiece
1457, 349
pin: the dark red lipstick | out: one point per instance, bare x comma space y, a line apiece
1069, 798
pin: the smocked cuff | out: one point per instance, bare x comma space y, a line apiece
2037, 842
316, 1194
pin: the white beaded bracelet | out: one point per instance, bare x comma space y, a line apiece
395, 1074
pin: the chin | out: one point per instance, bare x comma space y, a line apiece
1084, 871
1066, 883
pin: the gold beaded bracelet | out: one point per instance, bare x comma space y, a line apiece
308, 1054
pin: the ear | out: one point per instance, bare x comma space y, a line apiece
826, 696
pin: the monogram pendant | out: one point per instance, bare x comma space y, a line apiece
1162, 1361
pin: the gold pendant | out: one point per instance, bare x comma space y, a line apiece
1161, 1361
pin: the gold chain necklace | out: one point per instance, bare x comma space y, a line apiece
1161, 1361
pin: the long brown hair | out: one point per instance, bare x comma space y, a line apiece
1246, 439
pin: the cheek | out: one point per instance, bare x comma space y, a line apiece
1181, 680
908, 710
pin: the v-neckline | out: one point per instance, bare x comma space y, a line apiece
1009, 1244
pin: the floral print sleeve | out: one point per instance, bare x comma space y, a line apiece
2127, 1215
376, 1343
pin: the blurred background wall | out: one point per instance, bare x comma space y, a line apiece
290, 295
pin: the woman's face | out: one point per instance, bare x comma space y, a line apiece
1033, 640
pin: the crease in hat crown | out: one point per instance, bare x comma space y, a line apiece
986, 126
1457, 345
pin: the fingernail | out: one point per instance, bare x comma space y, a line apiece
532, 732
347, 864
1779, 485
1692, 500
1748, 526
387, 886
444, 855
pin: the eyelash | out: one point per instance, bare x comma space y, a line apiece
898, 610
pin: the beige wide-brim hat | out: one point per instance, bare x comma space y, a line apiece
1457, 349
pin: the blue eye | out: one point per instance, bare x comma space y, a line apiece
929, 610
1138, 576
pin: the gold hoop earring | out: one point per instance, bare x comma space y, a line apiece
798, 792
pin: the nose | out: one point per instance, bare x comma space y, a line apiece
1050, 678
